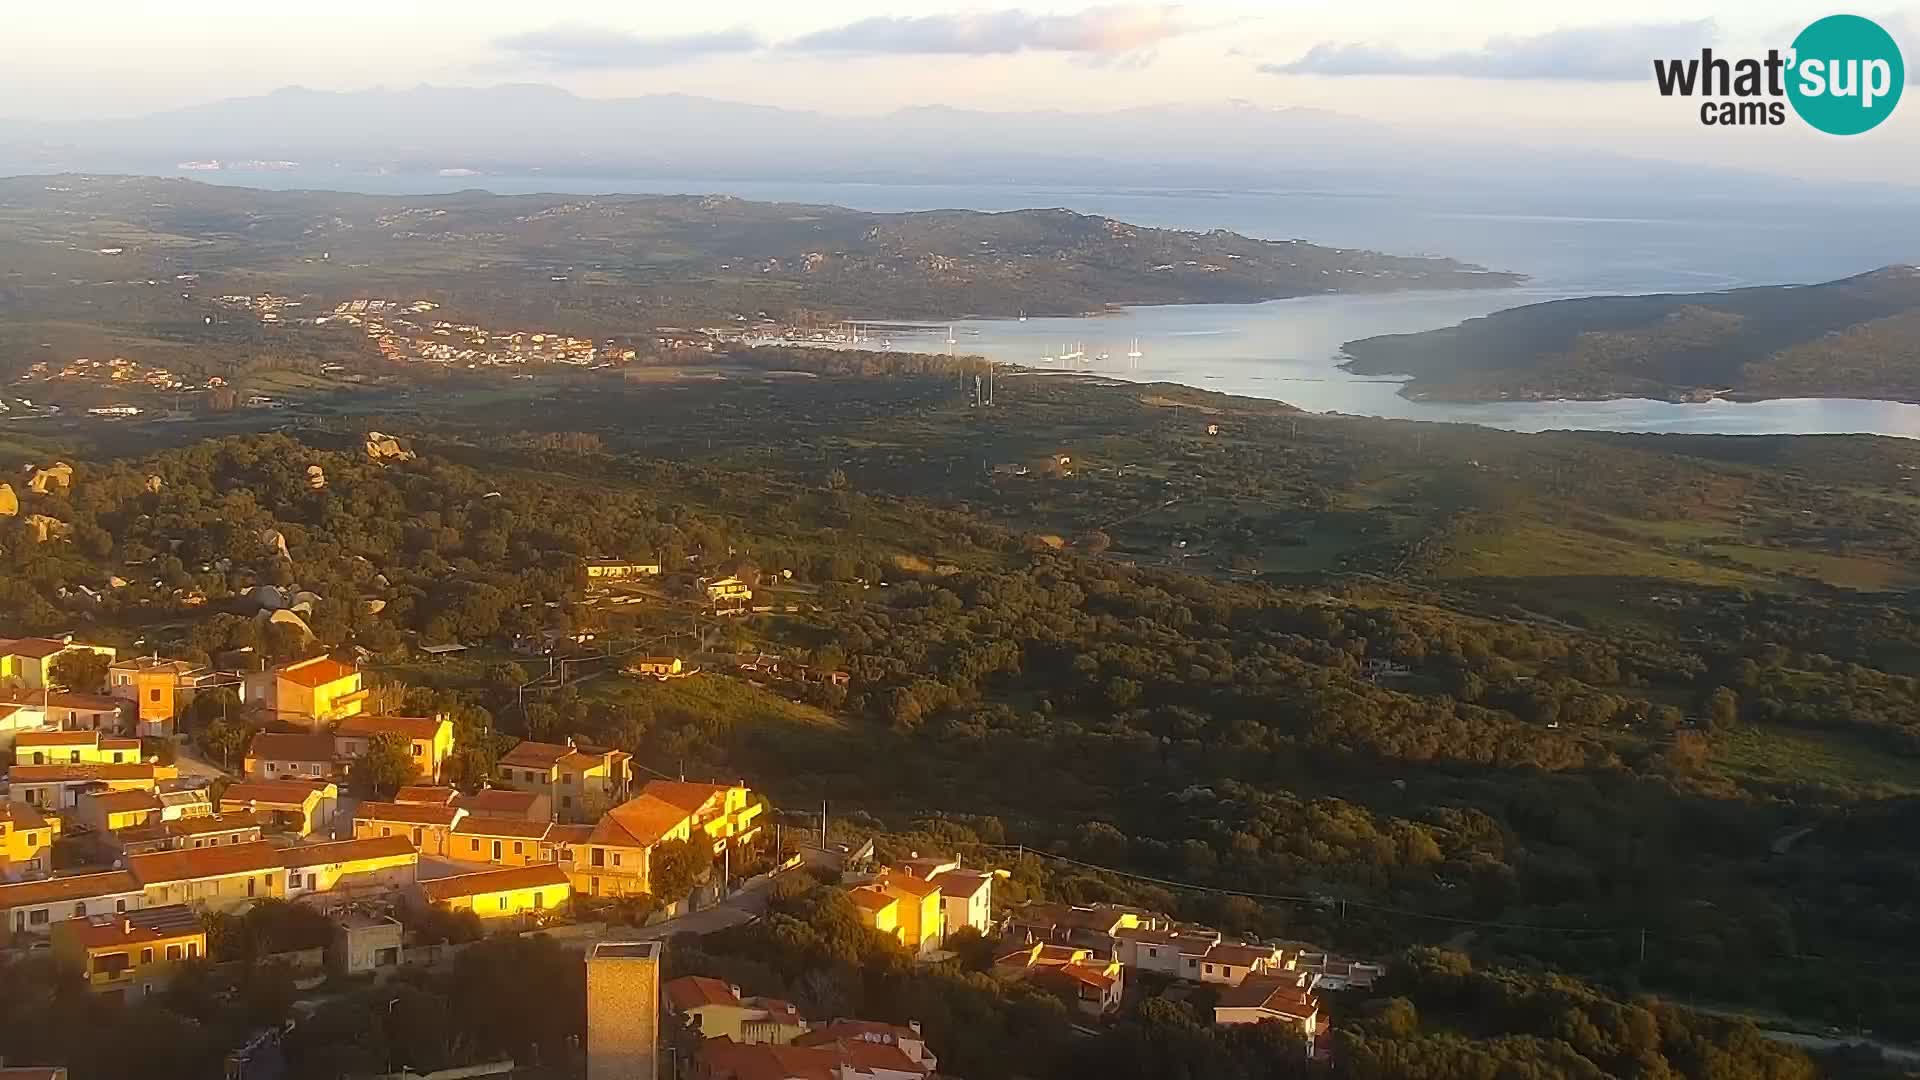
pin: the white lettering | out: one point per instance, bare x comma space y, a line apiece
1879, 80
1813, 77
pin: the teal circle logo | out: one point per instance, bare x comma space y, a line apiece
1846, 75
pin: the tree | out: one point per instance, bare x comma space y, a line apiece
676, 866
82, 671
386, 766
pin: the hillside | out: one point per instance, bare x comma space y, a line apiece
87, 247
1856, 337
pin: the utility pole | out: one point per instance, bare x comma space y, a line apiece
823, 824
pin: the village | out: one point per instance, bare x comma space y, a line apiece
118, 846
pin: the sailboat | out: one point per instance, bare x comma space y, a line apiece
1134, 353
1023, 314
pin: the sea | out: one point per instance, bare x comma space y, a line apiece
1568, 243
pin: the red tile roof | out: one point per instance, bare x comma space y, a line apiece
22, 815
527, 754
412, 727
493, 825
499, 802
487, 882
77, 887
58, 738
36, 648
51, 774
344, 851
290, 746
316, 672
911, 885
1276, 994
121, 802
424, 795
688, 797
693, 991
408, 813
871, 899
638, 822
273, 793
187, 864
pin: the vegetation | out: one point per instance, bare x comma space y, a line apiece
1857, 337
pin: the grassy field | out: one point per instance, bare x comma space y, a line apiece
1773, 755
1538, 549
1848, 572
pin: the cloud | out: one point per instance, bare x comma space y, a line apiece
1097, 31
1586, 54
569, 46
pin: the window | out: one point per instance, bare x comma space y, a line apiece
173, 952
1151, 951
39, 758
539, 901
616, 858
1209, 969
517, 849
38, 918
384, 831
595, 882
146, 956
416, 749
503, 903
599, 856
475, 845
386, 957
566, 802
73, 757
153, 694
120, 907
79, 909
249, 886
193, 949
117, 759
416, 836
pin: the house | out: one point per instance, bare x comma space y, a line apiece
846, 1059
658, 667
501, 894
579, 779
28, 662
279, 755
601, 571
55, 787
65, 709
918, 920
111, 811
502, 841
1229, 963
429, 739
15, 719
1167, 950
618, 853
366, 944
719, 1010
1280, 998
727, 593
32, 907
185, 803
132, 955
214, 878
157, 688
26, 842
73, 748
878, 910
1091, 985
310, 691
428, 827
300, 807
504, 802
848, 1034
241, 827
351, 869
966, 899
425, 795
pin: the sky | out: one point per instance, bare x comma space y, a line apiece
1550, 74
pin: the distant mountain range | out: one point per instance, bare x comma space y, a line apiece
514, 129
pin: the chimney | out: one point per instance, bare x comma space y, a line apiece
914, 1025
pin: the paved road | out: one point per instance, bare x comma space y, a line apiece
1799, 1032
744, 906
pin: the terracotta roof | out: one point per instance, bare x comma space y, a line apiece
49, 774
872, 899
423, 795
22, 815
38, 648
1238, 955
413, 727
857, 1029
153, 663
187, 826
911, 885
876, 1057
37, 1072
499, 802
539, 876
61, 699
315, 672
187, 864
120, 744
1275, 994
410, 813
78, 887
570, 834
107, 931
693, 991
290, 746
527, 754
686, 796
275, 793
58, 738
344, 851
724, 1059
494, 825
1078, 973
120, 802
638, 822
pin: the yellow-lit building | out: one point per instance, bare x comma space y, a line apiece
26, 841
351, 868
73, 748
313, 691
600, 571
155, 686
580, 780
230, 877
429, 740
877, 910
32, 907
131, 955
616, 860
502, 894
920, 925
28, 662
55, 787
720, 1011
427, 826
112, 811
503, 841
301, 807
659, 667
